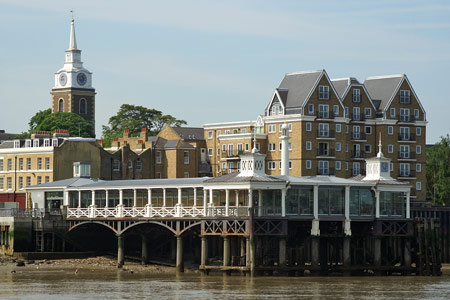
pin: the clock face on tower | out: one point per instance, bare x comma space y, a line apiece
81, 78
63, 79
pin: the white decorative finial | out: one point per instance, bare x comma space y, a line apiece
73, 40
254, 150
380, 153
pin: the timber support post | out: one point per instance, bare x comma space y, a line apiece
144, 252
180, 259
120, 251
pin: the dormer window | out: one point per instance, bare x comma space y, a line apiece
36, 143
405, 97
54, 142
28, 144
310, 109
324, 92
47, 143
356, 95
17, 144
276, 109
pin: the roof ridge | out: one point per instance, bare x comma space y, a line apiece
384, 76
305, 72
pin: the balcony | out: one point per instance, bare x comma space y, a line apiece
358, 136
406, 174
325, 115
325, 152
406, 155
358, 154
409, 137
329, 134
329, 171
357, 117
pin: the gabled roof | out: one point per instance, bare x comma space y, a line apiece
383, 88
341, 85
65, 183
190, 133
162, 143
299, 86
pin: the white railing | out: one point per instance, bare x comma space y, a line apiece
149, 211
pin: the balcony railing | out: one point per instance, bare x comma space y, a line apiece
358, 117
325, 152
358, 136
406, 174
325, 134
321, 171
358, 154
325, 115
410, 137
406, 155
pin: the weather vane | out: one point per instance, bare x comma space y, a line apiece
71, 11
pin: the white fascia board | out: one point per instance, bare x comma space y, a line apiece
238, 136
228, 124
29, 150
392, 188
288, 118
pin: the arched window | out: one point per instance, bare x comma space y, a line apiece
61, 105
83, 106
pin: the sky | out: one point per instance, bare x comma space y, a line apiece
218, 61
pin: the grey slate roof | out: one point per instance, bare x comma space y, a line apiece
171, 144
340, 85
6, 144
384, 182
145, 183
234, 178
283, 94
71, 182
299, 86
382, 88
190, 133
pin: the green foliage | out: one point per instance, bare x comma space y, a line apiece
45, 120
134, 118
438, 172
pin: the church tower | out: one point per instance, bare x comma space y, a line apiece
73, 91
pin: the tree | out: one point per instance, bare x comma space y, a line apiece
134, 118
45, 120
438, 172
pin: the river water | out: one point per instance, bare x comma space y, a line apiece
118, 284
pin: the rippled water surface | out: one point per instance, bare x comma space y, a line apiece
112, 284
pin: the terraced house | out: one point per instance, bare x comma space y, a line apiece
334, 125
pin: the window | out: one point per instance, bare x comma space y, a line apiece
82, 106
186, 157
356, 114
279, 127
1, 183
290, 127
158, 175
272, 128
227, 131
346, 166
243, 130
308, 164
246, 146
323, 111
61, 105
324, 130
230, 149
218, 151
20, 182
338, 165
218, 132
47, 179
390, 148
404, 151
405, 96
9, 164
9, 183
258, 146
323, 167
1, 164
28, 180
356, 95
186, 174
418, 186
404, 133
368, 148
39, 163
27, 143
346, 111
338, 146
310, 109
418, 131
289, 146
158, 157
210, 151
338, 127
54, 142
308, 145
368, 112
210, 134
390, 130
418, 167
280, 146
116, 165
138, 164
346, 129
46, 142
368, 129
239, 148
391, 167
17, 144
308, 126
230, 166
356, 170
346, 147
404, 169
130, 164
419, 149
324, 92
416, 114
392, 112
272, 147
28, 163
404, 114
356, 135
336, 110
271, 165
35, 143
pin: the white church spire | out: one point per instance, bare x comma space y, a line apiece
73, 40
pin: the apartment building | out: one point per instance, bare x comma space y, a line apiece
333, 126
